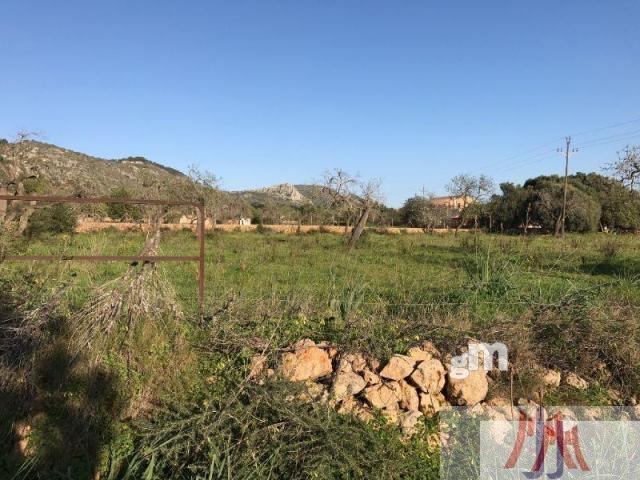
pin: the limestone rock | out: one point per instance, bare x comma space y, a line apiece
409, 422
314, 392
429, 376
22, 431
407, 395
307, 362
371, 377
399, 367
304, 343
551, 378
257, 367
356, 361
392, 417
425, 351
615, 396
432, 403
498, 402
470, 390
347, 384
433, 441
382, 396
576, 381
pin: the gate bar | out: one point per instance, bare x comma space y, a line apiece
115, 258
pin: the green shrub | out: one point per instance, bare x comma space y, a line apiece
260, 433
122, 212
35, 185
57, 218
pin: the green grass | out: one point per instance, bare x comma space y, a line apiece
568, 304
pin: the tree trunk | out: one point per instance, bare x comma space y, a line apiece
558, 225
3, 204
359, 228
24, 218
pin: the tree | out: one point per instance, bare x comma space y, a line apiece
471, 190
351, 198
583, 211
206, 188
593, 201
369, 197
421, 212
627, 168
122, 211
620, 206
340, 186
57, 218
512, 209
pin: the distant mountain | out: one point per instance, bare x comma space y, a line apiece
66, 172
57, 170
285, 191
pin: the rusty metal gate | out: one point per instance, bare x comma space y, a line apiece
124, 258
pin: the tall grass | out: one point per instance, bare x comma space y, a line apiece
174, 404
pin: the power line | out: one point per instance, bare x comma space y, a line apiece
592, 143
527, 157
614, 125
611, 138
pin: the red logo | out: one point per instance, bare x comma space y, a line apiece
548, 432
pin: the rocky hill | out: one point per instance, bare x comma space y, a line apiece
48, 169
285, 191
63, 171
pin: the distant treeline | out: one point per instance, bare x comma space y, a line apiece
594, 202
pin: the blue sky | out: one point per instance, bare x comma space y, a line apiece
263, 92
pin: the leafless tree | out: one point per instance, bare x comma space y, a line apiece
473, 191
369, 196
25, 135
350, 197
627, 168
339, 187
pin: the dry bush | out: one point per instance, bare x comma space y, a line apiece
138, 295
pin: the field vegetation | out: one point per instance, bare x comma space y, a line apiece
109, 368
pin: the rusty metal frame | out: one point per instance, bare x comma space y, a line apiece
116, 258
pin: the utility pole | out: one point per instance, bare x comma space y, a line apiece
567, 152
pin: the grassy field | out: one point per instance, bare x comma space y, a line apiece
164, 393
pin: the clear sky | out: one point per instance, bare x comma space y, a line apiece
270, 91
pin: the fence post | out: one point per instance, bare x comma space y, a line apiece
201, 227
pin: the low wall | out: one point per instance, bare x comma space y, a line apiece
90, 226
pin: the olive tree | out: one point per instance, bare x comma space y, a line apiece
352, 198
474, 192
627, 168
